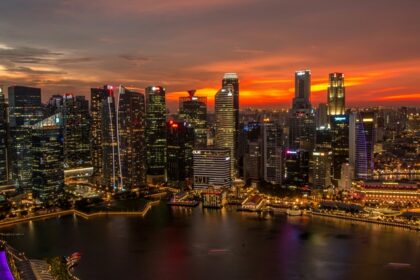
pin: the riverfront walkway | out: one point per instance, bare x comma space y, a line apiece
84, 215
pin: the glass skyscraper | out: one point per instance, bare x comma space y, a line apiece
25, 109
4, 140
155, 134
193, 109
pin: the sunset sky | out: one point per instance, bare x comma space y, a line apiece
69, 46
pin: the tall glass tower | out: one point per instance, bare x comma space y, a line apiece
193, 109
336, 94
25, 109
155, 134
4, 140
302, 90
225, 123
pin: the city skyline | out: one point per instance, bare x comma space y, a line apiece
67, 50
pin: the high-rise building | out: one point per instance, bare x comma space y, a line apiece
4, 140
302, 90
231, 80
271, 152
336, 94
76, 118
131, 138
302, 116
47, 158
193, 110
362, 143
339, 144
252, 161
212, 168
296, 167
320, 164
225, 123
98, 98
156, 134
54, 105
25, 109
321, 114
302, 129
180, 143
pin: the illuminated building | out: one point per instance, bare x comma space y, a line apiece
302, 90
339, 145
155, 134
271, 152
97, 98
131, 138
336, 95
193, 110
296, 167
214, 198
180, 143
252, 162
362, 143
25, 109
346, 176
4, 141
225, 123
211, 167
378, 191
47, 158
321, 114
320, 164
302, 129
75, 110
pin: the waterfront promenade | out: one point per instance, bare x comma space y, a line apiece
84, 215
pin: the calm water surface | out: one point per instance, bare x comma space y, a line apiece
181, 243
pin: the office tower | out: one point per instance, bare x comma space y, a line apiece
296, 167
339, 144
362, 143
231, 80
346, 176
111, 165
76, 123
320, 165
323, 138
131, 132
54, 105
302, 90
4, 140
302, 116
336, 95
47, 158
252, 162
193, 110
271, 152
25, 109
225, 123
156, 134
212, 168
302, 129
321, 114
105, 158
180, 143
97, 99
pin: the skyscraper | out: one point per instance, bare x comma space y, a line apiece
193, 110
131, 142
321, 114
271, 152
47, 158
362, 142
4, 140
25, 109
156, 134
320, 164
231, 80
212, 168
76, 118
225, 123
302, 90
339, 144
180, 137
336, 94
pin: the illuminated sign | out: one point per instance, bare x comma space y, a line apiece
367, 120
340, 118
291, 152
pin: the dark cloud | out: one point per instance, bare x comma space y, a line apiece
131, 57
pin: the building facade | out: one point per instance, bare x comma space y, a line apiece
336, 95
212, 168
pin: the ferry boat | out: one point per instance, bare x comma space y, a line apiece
294, 211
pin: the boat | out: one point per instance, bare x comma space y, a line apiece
294, 211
